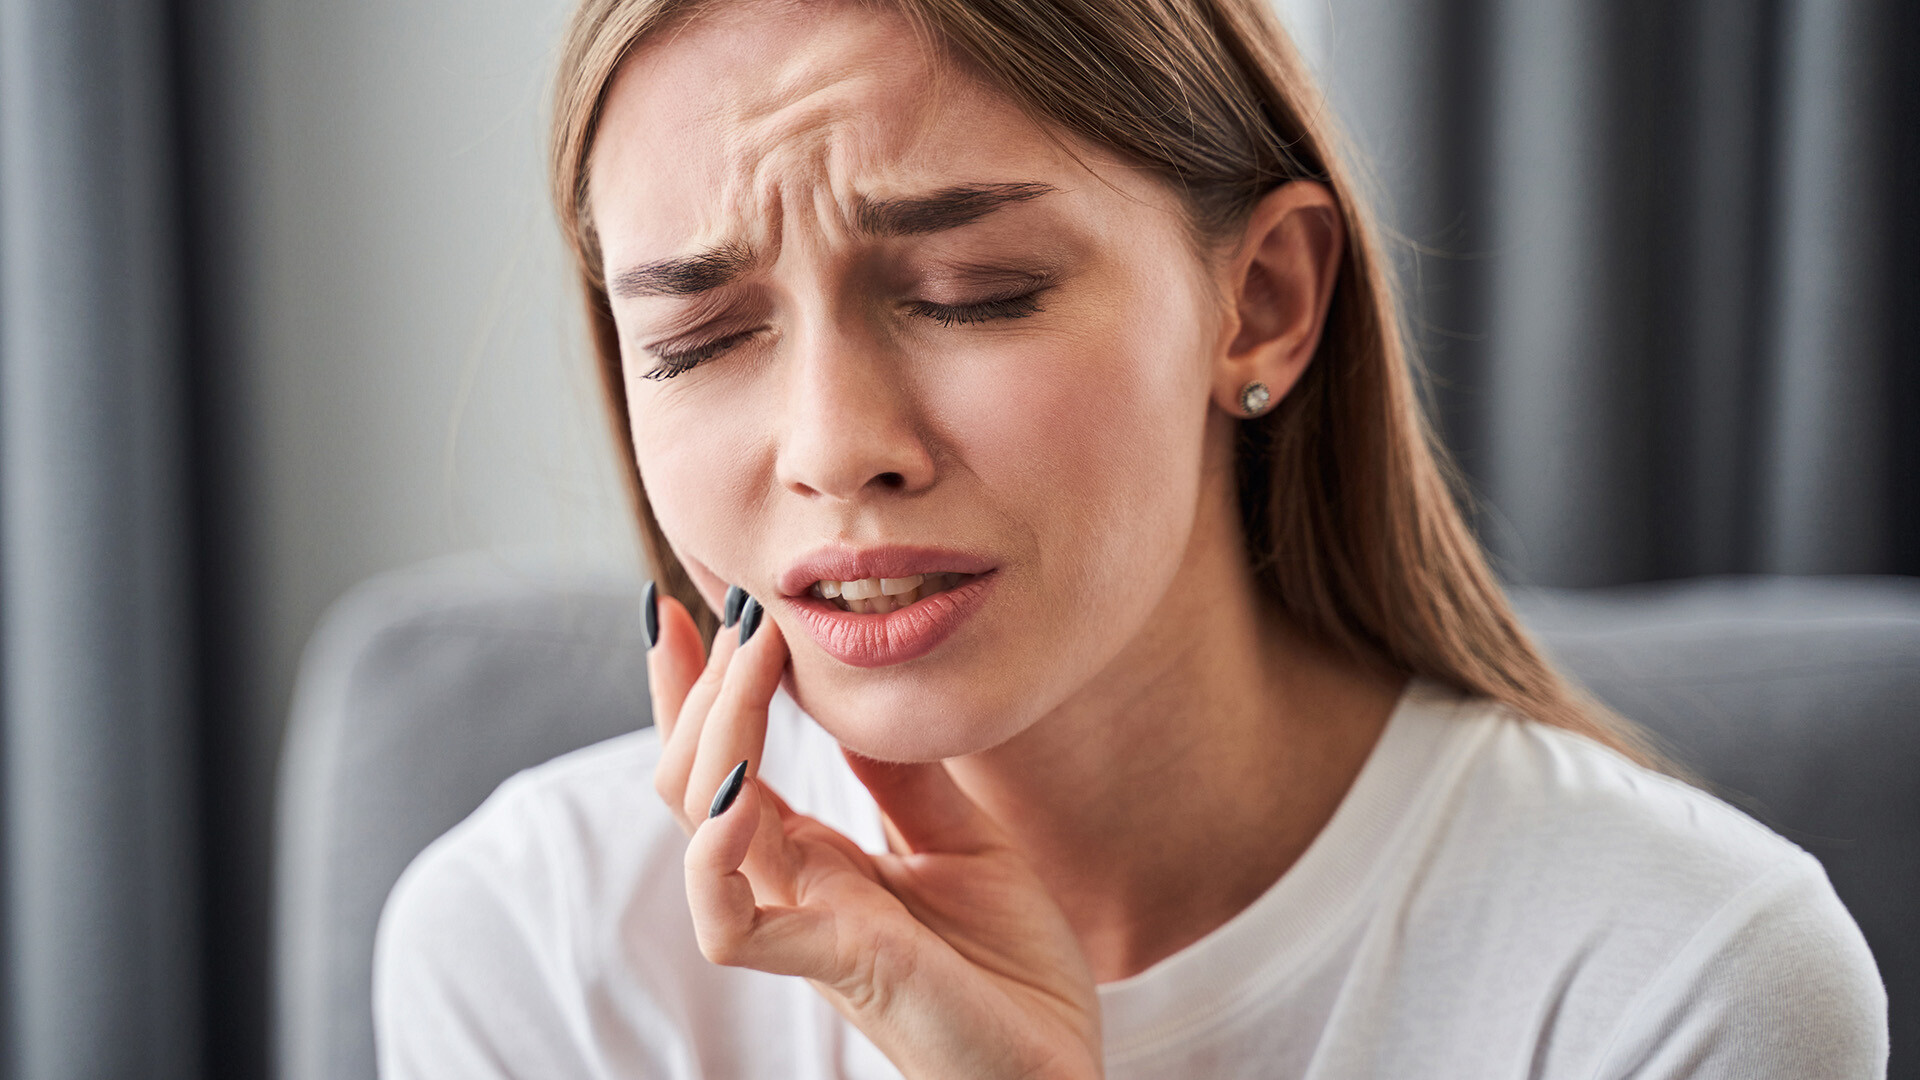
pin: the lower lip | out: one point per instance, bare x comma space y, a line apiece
871, 641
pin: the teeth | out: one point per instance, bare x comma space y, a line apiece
878, 596
867, 588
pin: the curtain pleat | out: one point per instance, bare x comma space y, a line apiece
1656, 255
101, 947
1822, 502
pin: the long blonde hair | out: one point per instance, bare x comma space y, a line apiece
1346, 498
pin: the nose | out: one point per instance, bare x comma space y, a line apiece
853, 425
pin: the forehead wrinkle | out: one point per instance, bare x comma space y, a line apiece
790, 121
812, 152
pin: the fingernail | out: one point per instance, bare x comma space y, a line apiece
650, 613
729, 790
749, 619
736, 596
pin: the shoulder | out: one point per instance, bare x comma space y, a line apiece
536, 848
1696, 932
1541, 794
1777, 982
489, 937
542, 833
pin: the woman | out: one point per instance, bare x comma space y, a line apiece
1109, 685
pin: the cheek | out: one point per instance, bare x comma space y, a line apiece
701, 476
1098, 435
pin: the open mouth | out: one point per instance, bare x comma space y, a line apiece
878, 596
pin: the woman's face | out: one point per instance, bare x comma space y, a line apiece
877, 324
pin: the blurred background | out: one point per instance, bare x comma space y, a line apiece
282, 306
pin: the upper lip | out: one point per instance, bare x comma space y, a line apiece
842, 563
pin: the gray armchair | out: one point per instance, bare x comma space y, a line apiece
1797, 699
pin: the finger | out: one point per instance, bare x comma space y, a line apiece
731, 927
673, 772
926, 809
780, 868
718, 892
674, 661
735, 728
775, 859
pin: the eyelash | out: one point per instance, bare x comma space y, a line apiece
675, 362
951, 315
947, 315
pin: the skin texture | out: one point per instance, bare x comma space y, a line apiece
1122, 747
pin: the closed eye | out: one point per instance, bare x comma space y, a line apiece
1007, 307
677, 361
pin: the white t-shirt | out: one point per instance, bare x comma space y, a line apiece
1494, 898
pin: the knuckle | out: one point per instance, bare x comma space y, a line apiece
722, 947
715, 669
867, 977
691, 804
670, 775
667, 787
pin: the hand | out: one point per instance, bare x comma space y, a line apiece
948, 952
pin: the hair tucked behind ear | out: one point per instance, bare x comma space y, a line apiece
1346, 498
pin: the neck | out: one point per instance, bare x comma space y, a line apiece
1182, 782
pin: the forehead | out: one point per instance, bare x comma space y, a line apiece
753, 112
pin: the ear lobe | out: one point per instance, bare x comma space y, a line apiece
1282, 281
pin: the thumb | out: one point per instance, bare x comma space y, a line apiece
926, 807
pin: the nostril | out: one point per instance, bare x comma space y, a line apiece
891, 479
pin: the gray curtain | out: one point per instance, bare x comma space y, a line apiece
96, 720
1660, 258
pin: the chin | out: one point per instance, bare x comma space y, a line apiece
904, 718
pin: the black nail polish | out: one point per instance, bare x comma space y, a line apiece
736, 596
729, 790
650, 614
749, 619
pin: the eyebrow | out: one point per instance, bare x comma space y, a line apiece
948, 208
684, 275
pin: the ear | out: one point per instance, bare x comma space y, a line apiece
1280, 280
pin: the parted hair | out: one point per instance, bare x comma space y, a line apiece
1348, 502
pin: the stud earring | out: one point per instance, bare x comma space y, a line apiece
1254, 398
